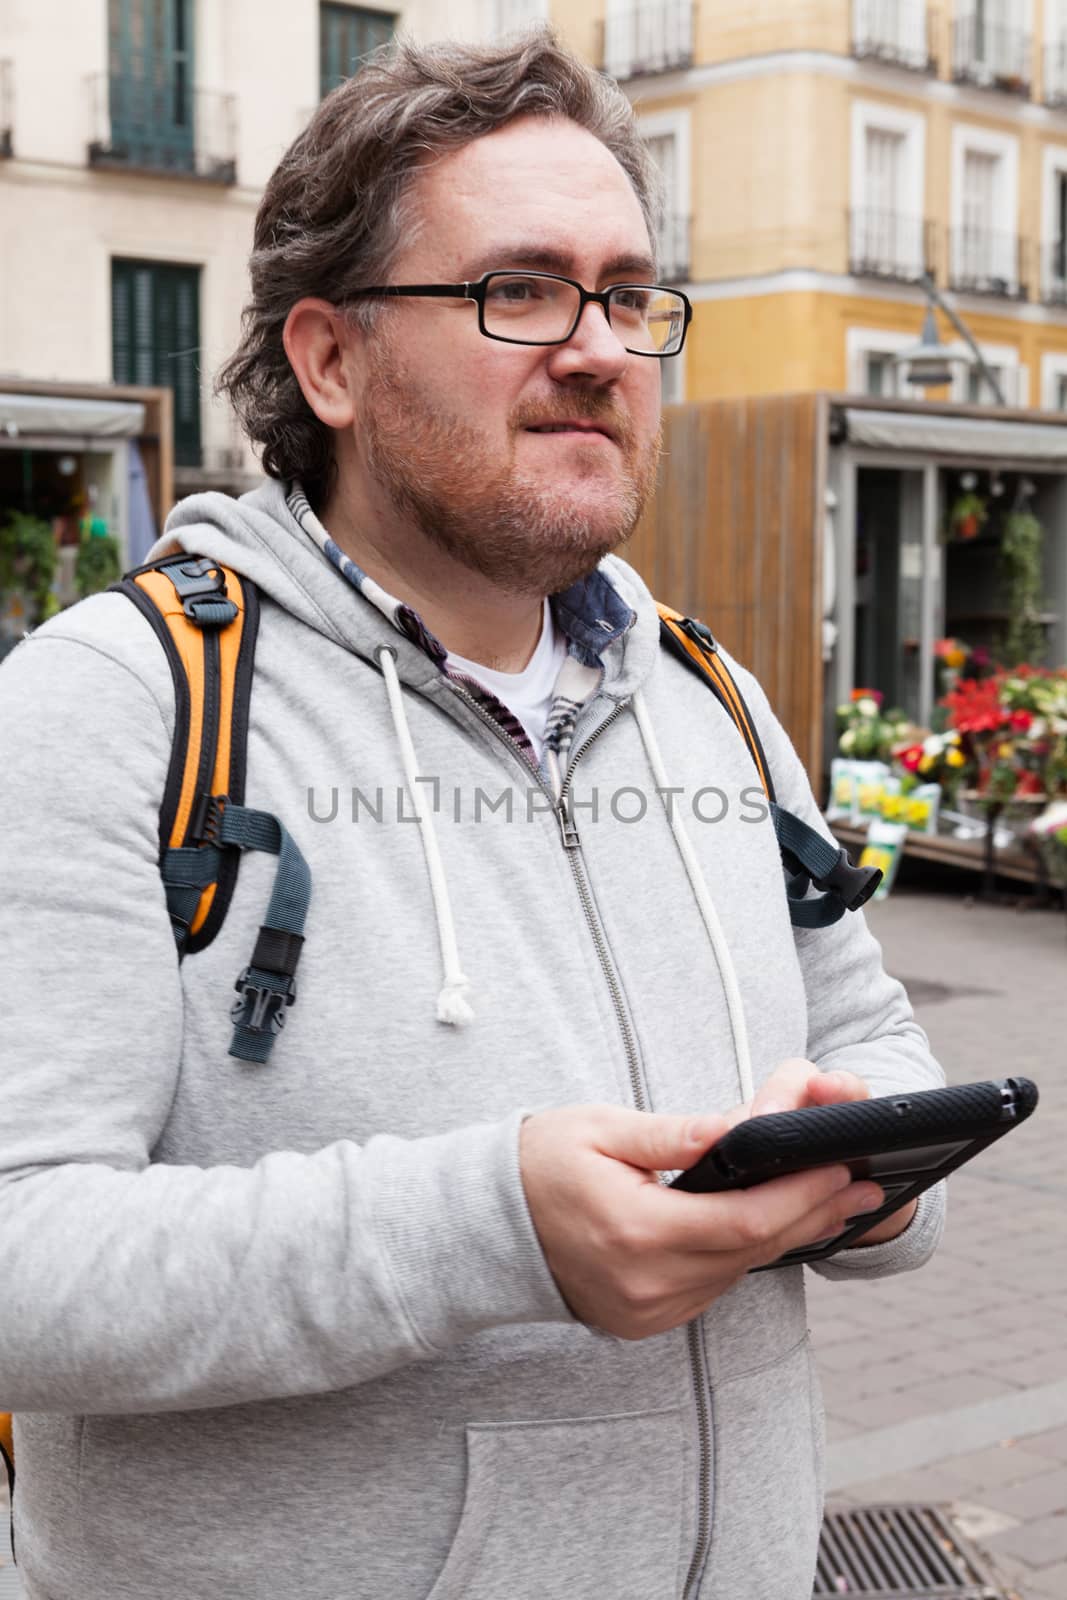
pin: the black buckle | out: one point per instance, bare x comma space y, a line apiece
259, 1009
206, 824
201, 588
853, 885
700, 634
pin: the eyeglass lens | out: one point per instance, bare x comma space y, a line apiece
531, 309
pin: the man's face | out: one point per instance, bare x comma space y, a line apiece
445, 430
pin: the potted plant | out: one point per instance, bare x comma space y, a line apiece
967, 515
99, 563
28, 565
1021, 549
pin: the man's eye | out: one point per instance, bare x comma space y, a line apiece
515, 291
632, 300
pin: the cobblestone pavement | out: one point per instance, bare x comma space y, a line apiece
949, 1385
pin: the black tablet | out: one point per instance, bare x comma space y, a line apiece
904, 1142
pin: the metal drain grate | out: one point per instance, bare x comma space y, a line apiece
899, 1552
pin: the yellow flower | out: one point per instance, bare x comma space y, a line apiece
1005, 751
955, 658
926, 763
955, 758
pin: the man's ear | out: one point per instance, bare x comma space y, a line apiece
316, 338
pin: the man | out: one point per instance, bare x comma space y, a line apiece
406, 1311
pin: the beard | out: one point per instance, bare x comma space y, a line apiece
515, 529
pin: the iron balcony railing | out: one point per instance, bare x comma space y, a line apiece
984, 262
897, 32
150, 119
990, 55
889, 244
1054, 78
675, 263
656, 37
7, 109
1054, 273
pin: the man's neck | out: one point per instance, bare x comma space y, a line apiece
469, 615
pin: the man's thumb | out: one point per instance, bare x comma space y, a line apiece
659, 1143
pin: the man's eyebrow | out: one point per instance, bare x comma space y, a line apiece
543, 258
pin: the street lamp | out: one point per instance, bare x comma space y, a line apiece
929, 362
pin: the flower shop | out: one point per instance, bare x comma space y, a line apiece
949, 624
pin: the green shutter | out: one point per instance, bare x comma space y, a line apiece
155, 339
150, 82
346, 35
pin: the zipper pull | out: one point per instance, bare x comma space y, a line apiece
568, 832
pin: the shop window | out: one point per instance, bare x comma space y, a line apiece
155, 339
346, 35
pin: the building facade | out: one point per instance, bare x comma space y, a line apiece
822, 154
135, 140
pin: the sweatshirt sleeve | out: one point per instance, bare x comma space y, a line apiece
131, 1285
859, 1018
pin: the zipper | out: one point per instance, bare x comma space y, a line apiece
572, 844
701, 1396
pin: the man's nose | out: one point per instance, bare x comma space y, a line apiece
594, 346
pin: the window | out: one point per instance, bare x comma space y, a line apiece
150, 82
984, 256
1054, 381
346, 35
666, 134
887, 231
880, 373
1061, 391
979, 392
155, 339
1054, 226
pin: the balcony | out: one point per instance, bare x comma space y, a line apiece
7, 110
1054, 78
889, 245
653, 38
895, 32
675, 262
983, 262
990, 56
152, 120
1054, 273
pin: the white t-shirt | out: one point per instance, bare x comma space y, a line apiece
527, 694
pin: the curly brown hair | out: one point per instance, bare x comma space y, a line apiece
339, 204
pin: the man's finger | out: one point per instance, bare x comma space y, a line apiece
836, 1088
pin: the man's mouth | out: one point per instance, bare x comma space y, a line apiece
572, 427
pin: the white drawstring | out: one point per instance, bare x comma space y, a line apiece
452, 1003
704, 901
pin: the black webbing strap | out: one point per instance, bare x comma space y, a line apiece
812, 861
267, 986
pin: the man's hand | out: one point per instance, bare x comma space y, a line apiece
635, 1258
799, 1083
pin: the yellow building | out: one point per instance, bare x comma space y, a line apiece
819, 156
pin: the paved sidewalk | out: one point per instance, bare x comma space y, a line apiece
949, 1385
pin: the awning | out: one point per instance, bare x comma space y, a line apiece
975, 437
40, 415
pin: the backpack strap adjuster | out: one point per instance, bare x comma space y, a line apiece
853, 885
206, 824
262, 1007
201, 586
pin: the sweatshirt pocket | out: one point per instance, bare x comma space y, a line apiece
562, 1510
768, 1497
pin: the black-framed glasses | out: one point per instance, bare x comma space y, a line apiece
542, 308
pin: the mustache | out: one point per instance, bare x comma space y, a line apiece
581, 406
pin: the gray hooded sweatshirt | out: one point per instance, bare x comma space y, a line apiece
288, 1329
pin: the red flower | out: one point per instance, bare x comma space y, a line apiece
1021, 720
910, 758
974, 706
867, 694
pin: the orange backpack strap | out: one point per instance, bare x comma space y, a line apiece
692, 643
808, 859
206, 617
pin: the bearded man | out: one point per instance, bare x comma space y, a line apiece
405, 1310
